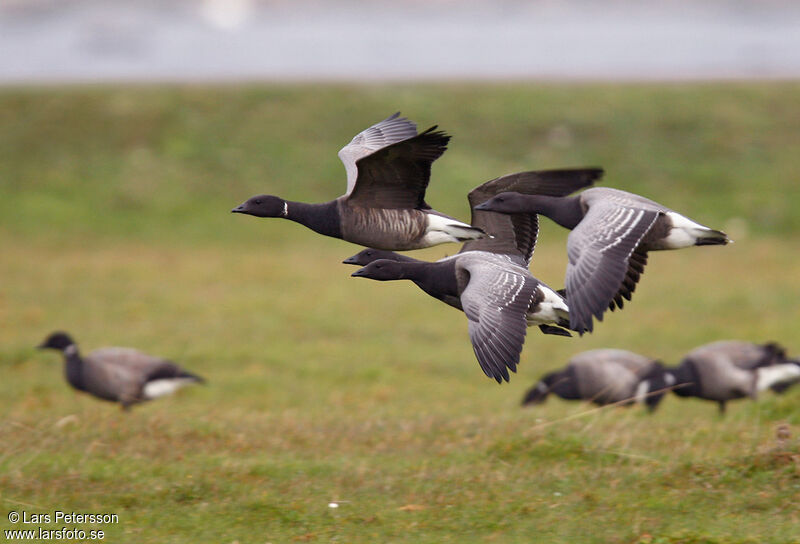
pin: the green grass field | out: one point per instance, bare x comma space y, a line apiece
115, 225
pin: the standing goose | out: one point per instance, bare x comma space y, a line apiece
122, 375
612, 231
731, 369
388, 169
605, 376
489, 279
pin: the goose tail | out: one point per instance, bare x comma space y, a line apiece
712, 237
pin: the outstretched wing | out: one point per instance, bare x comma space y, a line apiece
496, 301
396, 176
391, 130
515, 234
600, 267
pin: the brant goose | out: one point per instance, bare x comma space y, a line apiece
605, 376
498, 295
489, 278
122, 375
388, 168
512, 234
612, 231
731, 369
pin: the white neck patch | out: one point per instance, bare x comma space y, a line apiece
285, 209
71, 350
541, 387
670, 379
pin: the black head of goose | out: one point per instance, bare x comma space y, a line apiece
731, 369
612, 231
122, 375
388, 169
604, 376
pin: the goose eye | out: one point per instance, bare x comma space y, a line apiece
257, 202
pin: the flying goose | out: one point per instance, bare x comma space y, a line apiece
388, 169
495, 292
605, 376
732, 369
122, 375
612, 231
489, 279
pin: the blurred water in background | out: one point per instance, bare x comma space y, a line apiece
53, 41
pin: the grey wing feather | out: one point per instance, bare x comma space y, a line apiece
396, 176
496, 301
391, 130
599, 251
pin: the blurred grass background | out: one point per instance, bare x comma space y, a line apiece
115, 225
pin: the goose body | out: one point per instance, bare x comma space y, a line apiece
123, 375
604, 376
731, 369
612, 232
388, 169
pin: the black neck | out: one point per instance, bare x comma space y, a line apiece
436, 279
563, 384
566, 211
687, 380
322, 218
73, 369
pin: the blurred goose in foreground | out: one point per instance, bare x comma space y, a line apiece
388, 169
605, 376
612, 231
489, 279
122, 375
731, 369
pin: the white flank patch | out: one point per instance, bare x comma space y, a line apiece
641, 391
551, 309
167, 386
684, 232
441, 230
772, 375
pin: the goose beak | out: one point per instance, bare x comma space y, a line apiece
238, 209
350, 260
483, 206
357, 273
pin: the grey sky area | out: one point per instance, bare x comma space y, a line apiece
54, 41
